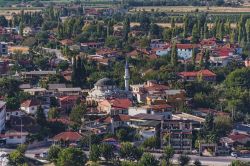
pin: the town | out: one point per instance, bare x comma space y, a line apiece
125, 83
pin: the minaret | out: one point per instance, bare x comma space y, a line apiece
126, 76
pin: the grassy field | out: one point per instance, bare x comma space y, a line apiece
189, 9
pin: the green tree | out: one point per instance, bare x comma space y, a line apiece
148, 159
130, 152
53, 113
197, 162
63, 65
94, 154
174, 55
111, 42
107, 151
183, 160
77, 113
78, 72
151, 143
193, 56
195, 34
126, 28
144, 22
207, 57
71, 156
16, 158
168, 154
40, 116
3, 21
223, 125
53, 153
238, 79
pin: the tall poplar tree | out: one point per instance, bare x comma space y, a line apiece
174, 55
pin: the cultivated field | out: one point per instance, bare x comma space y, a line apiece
8, 12
168, 25
188, 9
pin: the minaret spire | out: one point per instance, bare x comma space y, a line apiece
126, 76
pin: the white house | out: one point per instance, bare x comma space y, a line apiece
163, 109
185, 50
30, 106
2, 115
14, 137
162, 51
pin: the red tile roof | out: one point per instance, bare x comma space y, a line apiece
116, 118
61, 120
187, 46
66, 42
68, 136
158, 107
206, 73
224, 51
238, 136
30, 103
65, 99
117, 103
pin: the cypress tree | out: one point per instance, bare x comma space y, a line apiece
207, 56
126, 29
201, 60
195, 34
205, 32
174, 56
185, 26
193, 56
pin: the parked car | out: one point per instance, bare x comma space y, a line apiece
234, 154
44, 155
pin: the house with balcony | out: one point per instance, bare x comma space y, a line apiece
3, 48
185, 51
178, 134
205, 75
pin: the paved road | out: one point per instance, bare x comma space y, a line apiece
211, 161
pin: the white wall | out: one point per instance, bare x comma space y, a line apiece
132, 111
15, 140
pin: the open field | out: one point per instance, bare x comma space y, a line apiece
189, 9
168, 25
7, 12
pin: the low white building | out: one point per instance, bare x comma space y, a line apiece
14, 137
2, 115
164, 110
30, 106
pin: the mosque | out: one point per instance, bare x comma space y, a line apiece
105, 88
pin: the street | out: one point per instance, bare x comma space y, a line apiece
211, 161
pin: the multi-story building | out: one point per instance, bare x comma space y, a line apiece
4, 67
2, 115
178, 134
3, 48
